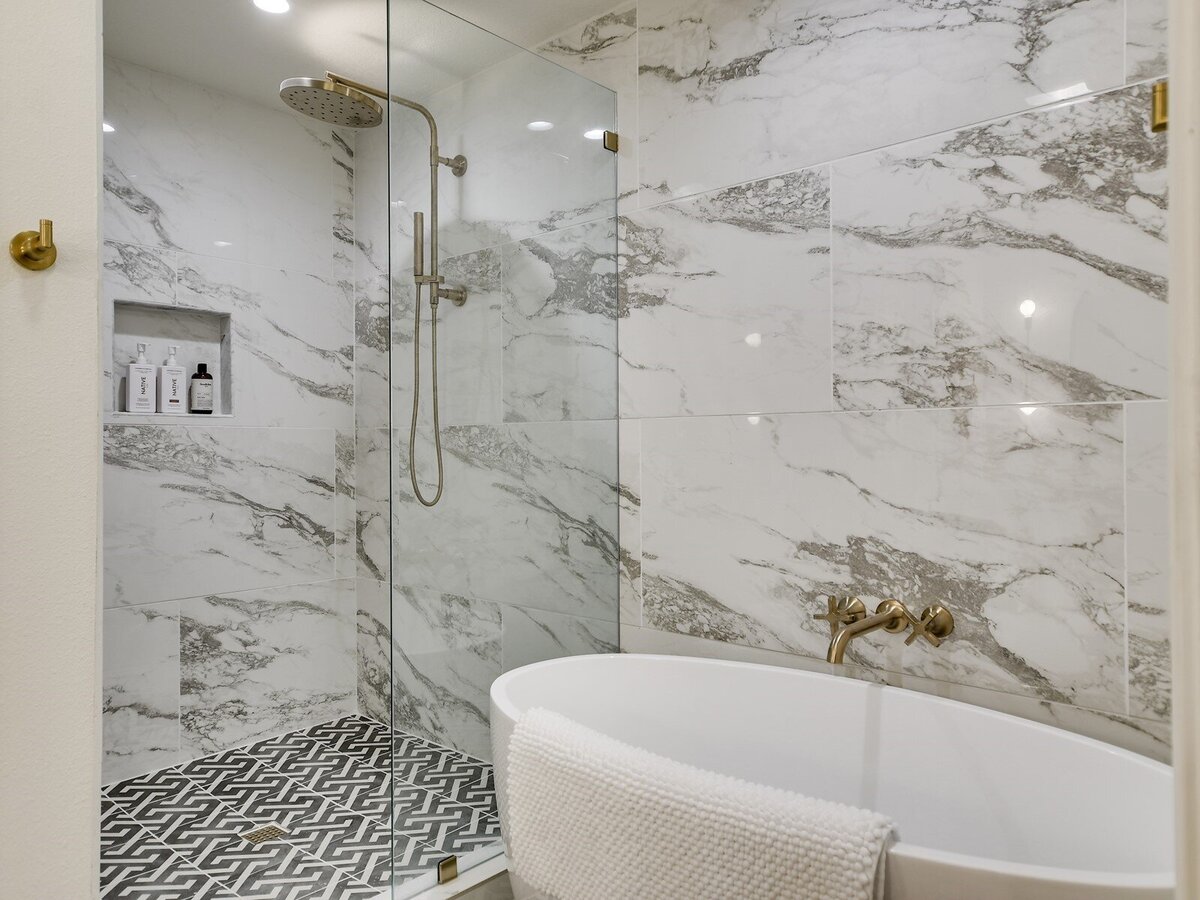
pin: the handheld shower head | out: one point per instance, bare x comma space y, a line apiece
331, 102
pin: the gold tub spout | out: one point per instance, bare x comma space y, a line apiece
890, 615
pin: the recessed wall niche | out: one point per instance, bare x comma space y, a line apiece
201, 336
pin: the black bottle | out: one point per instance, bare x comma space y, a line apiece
200, 394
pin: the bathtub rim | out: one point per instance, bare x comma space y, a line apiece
503, 702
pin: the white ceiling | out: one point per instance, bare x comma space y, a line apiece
235, 47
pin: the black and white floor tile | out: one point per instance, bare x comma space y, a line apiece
361, 806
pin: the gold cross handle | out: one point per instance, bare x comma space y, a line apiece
842, 611
935, 624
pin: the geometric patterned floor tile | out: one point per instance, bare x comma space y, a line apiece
278, 748
265, 795
174, 880
272, 871
210, 769
481, 795
434, 819
147, 790
363, 739
410, 754
460, 778
346, 888
360, 788
176, 834
348, 841
336, 776
480, 833
190, 836
159, 812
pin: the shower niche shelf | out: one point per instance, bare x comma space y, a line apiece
201, 335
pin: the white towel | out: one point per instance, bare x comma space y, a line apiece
592, 818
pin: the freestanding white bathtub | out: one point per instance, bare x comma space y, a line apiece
988, 806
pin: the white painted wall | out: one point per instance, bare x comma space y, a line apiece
1184, 152
50, 455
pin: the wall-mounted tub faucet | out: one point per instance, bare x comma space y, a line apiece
848, 619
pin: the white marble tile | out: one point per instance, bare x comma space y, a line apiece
372, 340
732, 90
345, 515
629, 457
258, 663
131, 274
141, 690
292, 343
938, 245
195, 169
374, 627
1145, 39
725, 301
1148, 546
469, 367
371, 498
1139, 735
604, 49
529, 516
530, 635
447, 654
1013, 521
519, 182
193, 510
560, 325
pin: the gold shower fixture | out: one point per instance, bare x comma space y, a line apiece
342, 101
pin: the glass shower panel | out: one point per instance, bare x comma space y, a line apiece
518, 561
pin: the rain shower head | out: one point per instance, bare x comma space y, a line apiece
331, 101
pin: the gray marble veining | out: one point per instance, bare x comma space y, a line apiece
1145, 39
529, 516
725, 301
257, 663
374, 654
604, 49
1012, 518
194, 169
731, 90
531, 635
1148, 546
141, 690
1022, 261
447, 654
560, 325
191, 510
293, 340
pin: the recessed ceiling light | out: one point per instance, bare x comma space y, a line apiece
273, 6
1029, 410
540, 126
108, 129
1028, 308
754, 339
222, 243
595, 134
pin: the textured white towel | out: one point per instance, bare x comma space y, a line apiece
592, 818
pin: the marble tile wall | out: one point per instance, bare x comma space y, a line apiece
519, 561
892, 322
230, 540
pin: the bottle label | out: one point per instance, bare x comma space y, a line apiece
202, 394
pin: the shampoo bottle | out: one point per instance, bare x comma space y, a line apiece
200, 398
172, 386
139, 386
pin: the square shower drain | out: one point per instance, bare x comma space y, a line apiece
264, 834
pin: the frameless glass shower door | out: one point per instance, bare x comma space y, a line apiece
517, 561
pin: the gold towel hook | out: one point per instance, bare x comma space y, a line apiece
35, 249
1158, 107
